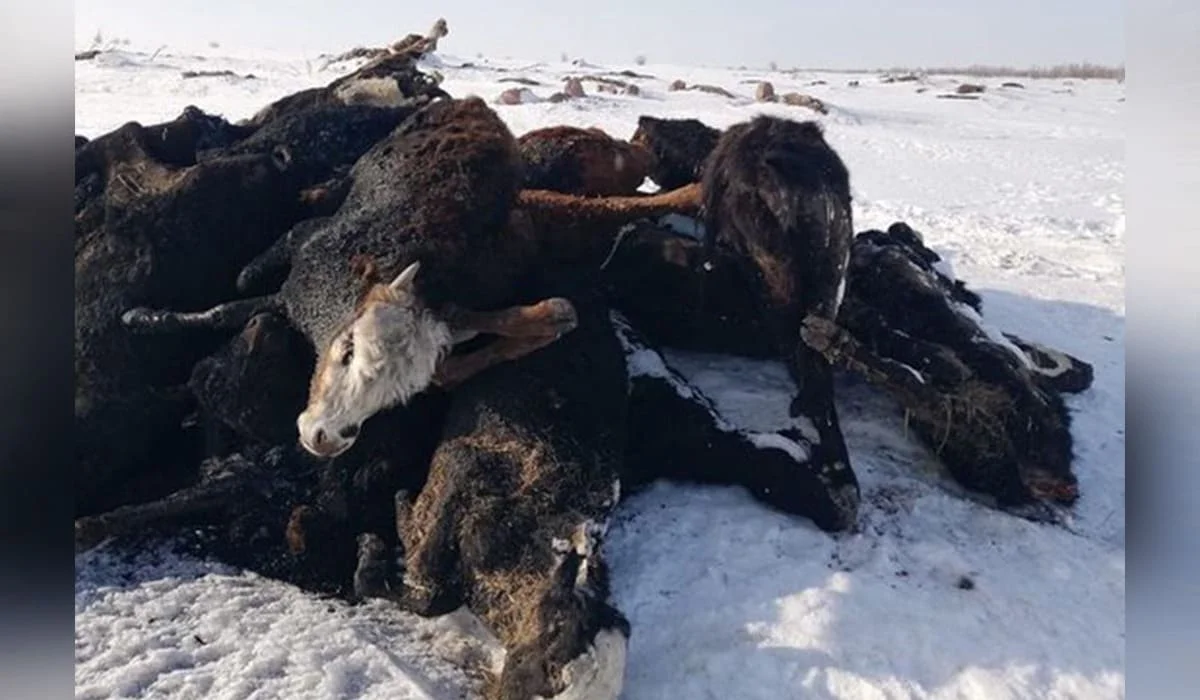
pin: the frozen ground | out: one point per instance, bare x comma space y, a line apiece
1020, 190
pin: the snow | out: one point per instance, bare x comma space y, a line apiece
934, 596
775, 441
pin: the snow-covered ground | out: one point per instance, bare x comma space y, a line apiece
1020, 190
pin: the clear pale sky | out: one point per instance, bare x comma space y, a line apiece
804, 33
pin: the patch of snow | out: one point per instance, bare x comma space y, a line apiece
943, 267
767, 441
599, 672
160, 624
916, 375
995, 334
684, 225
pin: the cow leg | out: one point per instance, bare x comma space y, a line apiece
230, 316
275, 260
548, 317
1055, 369
420, 575
676, 432
813, 401
380, 570
548, 602
200, 499
837, 346
935, 363
456, 369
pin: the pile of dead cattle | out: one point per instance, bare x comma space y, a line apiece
371, 343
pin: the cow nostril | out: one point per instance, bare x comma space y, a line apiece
349, 432
319, 438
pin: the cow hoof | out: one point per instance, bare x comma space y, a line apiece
142, 318
371, 574
560, 316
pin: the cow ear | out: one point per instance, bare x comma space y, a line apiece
404, 280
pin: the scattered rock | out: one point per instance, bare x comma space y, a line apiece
956, 96
765, 92
852, 83
678, 85
1012, 85
797, 99
559, 97
632, 74
87, 55
574, 88
517, 96
612, 86
603, 80
519, 80
965, 583
969, 89
818, 82
712, 90
618, 90
188, 74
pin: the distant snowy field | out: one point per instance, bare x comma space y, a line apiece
1021, 191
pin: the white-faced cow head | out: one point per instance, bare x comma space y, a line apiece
385, 354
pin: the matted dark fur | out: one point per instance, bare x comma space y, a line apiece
392, 80
528, 451
173, 143
518, 496
326, 140
677, 294
677, 433
254, 386
582, 161
998, 424
988, 409
163, 215
679, 146
165, 235
406, 203
777, 197
439, 191
135, 155
259, 500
